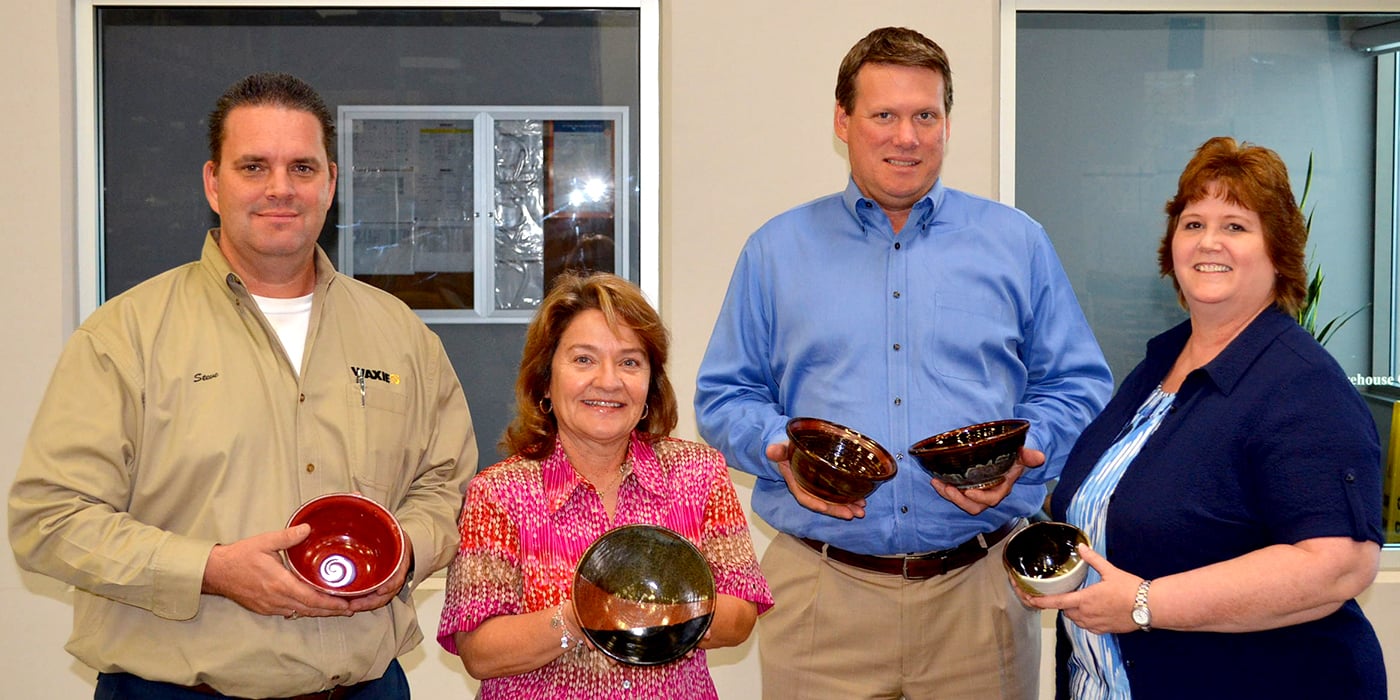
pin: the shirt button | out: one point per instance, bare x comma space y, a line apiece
1351, 478
896, 246
896, 347
301, 398
627, 685
898, 401
310, 468
896, 295
904, 509
899, 455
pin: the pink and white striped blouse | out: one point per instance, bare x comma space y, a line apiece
526, 523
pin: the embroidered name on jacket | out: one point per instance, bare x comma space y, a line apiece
375, 374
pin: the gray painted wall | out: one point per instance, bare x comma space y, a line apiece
1110, 107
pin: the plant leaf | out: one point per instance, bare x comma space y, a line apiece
1336, 325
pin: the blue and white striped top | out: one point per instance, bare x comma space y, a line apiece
1096, 666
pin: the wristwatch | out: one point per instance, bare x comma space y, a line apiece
1142, 617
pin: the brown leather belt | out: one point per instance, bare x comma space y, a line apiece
917, 567
337, 693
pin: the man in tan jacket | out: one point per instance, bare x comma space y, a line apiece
190, 416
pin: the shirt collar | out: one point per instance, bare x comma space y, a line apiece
213, 258
561, 480
859, 206
1227, 368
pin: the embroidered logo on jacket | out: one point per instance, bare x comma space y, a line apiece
202, 377
375, 374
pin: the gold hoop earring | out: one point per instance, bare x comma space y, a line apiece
546, 406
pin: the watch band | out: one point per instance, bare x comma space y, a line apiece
1142, 616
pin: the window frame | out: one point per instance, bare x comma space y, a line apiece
484, 221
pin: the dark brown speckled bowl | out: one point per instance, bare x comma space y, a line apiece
836, 463
975, 456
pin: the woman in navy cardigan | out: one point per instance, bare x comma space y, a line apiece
1231, 488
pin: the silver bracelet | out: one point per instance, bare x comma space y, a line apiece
557, 622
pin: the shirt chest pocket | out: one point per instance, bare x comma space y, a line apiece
971, 338
379, 440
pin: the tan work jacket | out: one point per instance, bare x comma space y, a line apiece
174, 421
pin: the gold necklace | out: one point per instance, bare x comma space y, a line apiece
615, 481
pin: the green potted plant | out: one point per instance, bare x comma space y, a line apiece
1307, 313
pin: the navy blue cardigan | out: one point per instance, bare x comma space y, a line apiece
1268, 443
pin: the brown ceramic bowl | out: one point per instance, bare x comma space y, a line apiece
644, 595
975, 456
355, 545
836, 463
1043, 558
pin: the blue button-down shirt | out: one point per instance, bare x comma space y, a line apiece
965, 316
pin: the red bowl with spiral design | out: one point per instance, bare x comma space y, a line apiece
356, 545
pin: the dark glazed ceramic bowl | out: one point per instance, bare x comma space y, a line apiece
1043, 559
355, 545
975, 456
836, 463
644, 595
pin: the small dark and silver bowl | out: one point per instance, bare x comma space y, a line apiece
644, 595
1043, 558
836, 463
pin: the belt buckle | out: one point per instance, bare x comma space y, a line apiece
904, 566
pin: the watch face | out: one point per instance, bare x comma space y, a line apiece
1140, 616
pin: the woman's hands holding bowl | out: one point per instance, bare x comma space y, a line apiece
1102, 608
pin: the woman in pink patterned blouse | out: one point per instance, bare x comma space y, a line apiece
590, 452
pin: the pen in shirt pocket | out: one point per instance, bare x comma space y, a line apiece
361, 380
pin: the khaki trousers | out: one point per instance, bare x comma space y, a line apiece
841, 633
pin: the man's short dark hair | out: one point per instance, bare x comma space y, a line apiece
270, 89
897, 46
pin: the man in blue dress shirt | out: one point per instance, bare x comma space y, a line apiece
899, 308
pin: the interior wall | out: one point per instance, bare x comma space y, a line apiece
746, 119
36, 302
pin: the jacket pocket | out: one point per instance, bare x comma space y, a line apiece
379, 426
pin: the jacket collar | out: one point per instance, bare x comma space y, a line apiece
1229, 367
213, 260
